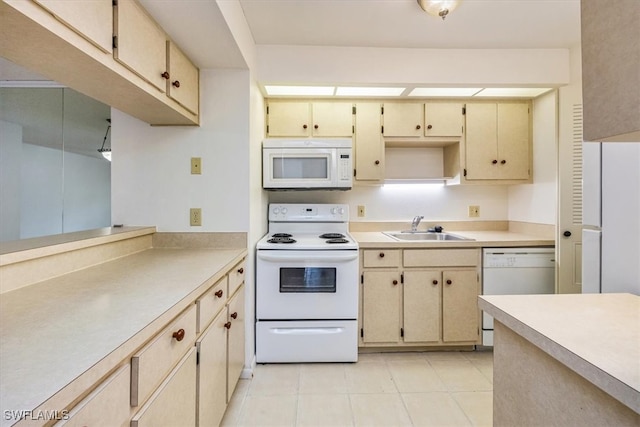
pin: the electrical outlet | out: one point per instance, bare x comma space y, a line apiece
196, 166
361, 211
195, 216
474, 211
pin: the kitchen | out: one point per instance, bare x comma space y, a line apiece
232, 113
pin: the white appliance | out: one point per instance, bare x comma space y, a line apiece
307, 286
307, 164
611, 217
515, 271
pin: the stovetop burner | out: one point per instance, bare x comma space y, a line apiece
333, 236
281, 235
339, 240
281, 239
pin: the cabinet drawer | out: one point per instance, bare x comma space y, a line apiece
109, 401
151, 364
174, 402
210, 304
236, 277
441, 257
381, 258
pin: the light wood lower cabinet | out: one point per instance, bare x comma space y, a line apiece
428, 299
212, 372
173, 404
235, 340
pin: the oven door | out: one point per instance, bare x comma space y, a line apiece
299, 285
299, 168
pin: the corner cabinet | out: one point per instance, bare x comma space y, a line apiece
419, 297
498, 142
305, 119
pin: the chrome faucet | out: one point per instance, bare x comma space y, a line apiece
415, 222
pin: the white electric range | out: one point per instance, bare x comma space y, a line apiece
307, 286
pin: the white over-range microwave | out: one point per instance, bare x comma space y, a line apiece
307, 164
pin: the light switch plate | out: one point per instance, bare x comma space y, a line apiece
361, 211
196, 166
474, 211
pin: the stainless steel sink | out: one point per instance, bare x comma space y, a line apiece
423, 236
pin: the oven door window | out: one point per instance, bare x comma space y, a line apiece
301, 167
307, 280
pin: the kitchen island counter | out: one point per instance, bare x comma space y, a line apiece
566, 359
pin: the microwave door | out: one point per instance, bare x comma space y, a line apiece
299, 169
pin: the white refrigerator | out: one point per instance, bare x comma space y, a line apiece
611, 218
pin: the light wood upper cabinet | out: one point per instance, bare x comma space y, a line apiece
183, 82
403, 119
498, 142
303, 119
610, 70
141, 45
93, 20
443, 119
368, 143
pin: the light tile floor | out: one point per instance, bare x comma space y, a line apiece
381, 389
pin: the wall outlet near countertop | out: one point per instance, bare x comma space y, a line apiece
195, 216
474, 211
361, 211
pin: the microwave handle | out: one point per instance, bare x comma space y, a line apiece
328, 256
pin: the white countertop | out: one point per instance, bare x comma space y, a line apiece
595, 335
53, 332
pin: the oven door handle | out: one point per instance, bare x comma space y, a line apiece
307, 331
326, 256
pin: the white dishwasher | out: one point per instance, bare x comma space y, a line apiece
515, 271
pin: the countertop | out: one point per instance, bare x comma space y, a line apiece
67, 332
595, 335
376, 239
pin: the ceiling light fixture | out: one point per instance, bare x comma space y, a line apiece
299, 90
368, 91
440, 8
106, 152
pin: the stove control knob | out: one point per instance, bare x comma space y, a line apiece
283, 211
340, 211
276, 210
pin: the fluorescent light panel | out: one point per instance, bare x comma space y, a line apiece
444, 91
524, 92
299, 90
369, 91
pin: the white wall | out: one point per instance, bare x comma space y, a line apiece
537, 202
151, 178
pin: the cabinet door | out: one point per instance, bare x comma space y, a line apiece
403, 119
212, 373
421, 305
443, 119
236, 334
369, 145
174, 402
141, 44
183, 83
332, 119
381, 307
289, 119
481, 145
513, 141
93, 20
460, 306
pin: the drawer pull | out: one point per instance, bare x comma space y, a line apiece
417, 127
179, 335
435, 282
234, 315
381, 254
219, 293
241, 270
176, 83
449, 281
165, 75
395, 282
227, 325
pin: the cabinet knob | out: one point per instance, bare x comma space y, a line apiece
240, 270
165, 75
449, 281
417, 126
435, 282
227, 325
234, 315
494, 162
502, 162
377, 162
219, 293
567, 233
429, 127
304, 126
381, 255
179, 335
315, 126
176, 83
395, 282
